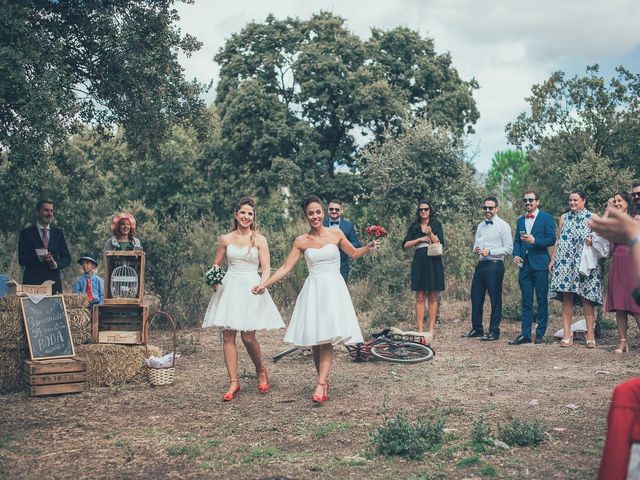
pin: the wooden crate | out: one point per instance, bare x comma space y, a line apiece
113, 260
55, 377
16, 288
120, 323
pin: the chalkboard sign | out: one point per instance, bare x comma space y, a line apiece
47, 328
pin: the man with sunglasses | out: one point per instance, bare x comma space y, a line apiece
535, 233
635, 193
493, 243
335, 220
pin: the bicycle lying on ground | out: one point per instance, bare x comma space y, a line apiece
390, 345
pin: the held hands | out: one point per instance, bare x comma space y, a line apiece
588, 241
517, 260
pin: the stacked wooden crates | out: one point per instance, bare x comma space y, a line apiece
123, 318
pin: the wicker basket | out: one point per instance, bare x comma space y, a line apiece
161, 376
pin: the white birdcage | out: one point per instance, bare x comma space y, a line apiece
124, 282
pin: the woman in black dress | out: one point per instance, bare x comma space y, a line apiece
427, 272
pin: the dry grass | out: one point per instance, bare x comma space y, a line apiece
185, 431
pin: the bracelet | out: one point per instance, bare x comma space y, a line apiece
633, 241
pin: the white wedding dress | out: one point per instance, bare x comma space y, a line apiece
233, 306
323, 312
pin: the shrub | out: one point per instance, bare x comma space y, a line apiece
480, 432
522, 433
401, 437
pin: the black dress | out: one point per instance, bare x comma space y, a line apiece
427, 273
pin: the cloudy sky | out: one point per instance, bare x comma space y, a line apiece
507, 45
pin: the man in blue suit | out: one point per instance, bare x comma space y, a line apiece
535, 233
335, 220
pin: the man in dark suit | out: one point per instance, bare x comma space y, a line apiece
42, 249
535, 233
335, 220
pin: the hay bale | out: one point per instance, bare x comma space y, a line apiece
9, 303
12, 334
80, 325
75, 300
110, 365
11, 376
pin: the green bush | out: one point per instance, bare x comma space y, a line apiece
403, 438
522, 433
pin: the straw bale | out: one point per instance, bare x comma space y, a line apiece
110, 365
80, 325
11, 376
12, 334
9, 303
75, 300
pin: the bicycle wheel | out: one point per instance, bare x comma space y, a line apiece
284, 353
403, 352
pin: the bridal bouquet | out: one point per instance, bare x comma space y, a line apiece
213, 277
376, 231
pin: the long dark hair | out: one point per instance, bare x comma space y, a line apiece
432, 213
254, 227
627, 198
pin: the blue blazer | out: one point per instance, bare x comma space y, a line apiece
544, 232
350, 232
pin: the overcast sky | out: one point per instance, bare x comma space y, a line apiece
507, 45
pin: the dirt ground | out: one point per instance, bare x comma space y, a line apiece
185, 431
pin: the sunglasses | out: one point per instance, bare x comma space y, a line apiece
529, 200
331, 209
485, 207
635, 194
424, 209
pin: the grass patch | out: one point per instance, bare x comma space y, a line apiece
6, 439
471, 461
488, 471
183, 450
522, 433
428, 476
122, 443
480, 434
212, 443
326, 428
351, 462
186, 344
403, 438
261, 453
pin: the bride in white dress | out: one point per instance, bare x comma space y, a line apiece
232, 307
323, 314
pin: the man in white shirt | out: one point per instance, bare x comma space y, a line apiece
493, 242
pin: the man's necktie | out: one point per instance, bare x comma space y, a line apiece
89, 289
529, 215
488, 222
45, 237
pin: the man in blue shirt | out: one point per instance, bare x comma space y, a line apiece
89, 283
493, 242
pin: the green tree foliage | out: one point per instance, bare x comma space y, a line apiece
65, 64
421, 163
578, 119
312, 92
507, 175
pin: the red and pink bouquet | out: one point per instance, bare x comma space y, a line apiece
376, 231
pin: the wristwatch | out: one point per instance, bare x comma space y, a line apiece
633, 241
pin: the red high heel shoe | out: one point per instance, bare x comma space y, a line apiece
264, 387
325, 394
227, 397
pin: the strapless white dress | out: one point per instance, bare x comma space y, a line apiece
323, 312
233, 306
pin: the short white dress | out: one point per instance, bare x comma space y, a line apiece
233, 306
323, 312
